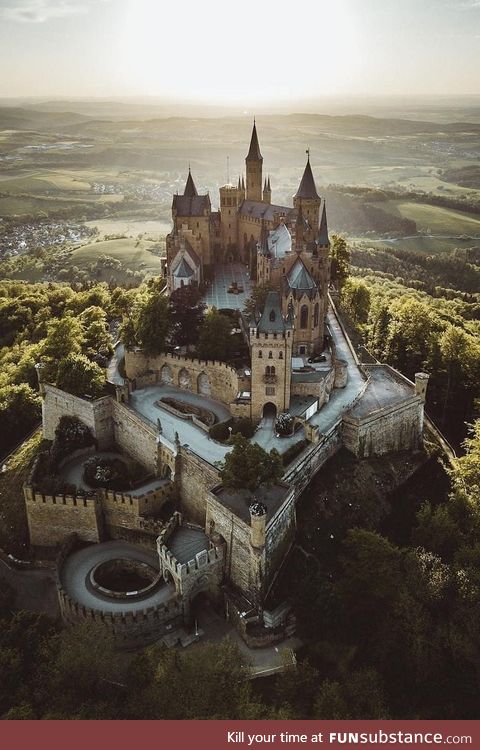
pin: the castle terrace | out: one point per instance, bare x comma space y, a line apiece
385, 388
238, 501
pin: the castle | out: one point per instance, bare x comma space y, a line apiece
223, 543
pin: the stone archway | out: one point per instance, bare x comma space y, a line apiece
184, 379
166, 375
269, 410
204, 385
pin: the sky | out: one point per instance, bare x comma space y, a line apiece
243, 52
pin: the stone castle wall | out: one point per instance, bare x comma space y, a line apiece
118, 515
135, 436
96, 414
240, 566
390, 429
129, 628
196, 478
212, 378
53, 517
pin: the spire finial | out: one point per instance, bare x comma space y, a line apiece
308, 153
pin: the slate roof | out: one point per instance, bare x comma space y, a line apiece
279, 241
190, 189
267, 211
322, 238
307, 187
271, 320
254, 151
195, 205
182, 270
300, 278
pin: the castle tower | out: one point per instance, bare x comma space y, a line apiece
271, 342
230, 199
267, 191
254, 162
307, 199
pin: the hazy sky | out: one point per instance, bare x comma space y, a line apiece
242, 52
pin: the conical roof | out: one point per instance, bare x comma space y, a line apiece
299, 277
307, 187
190, 189
254, 151
323, 229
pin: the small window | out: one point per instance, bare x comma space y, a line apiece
270, 355
272, 315
280, 356
260, 354
270, 390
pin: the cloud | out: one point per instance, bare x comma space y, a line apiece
39, 11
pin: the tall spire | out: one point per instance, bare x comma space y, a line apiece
307, 187
323, 229
254, 151
190, 189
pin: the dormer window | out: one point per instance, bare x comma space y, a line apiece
272, 316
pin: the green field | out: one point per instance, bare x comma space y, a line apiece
132, 253
434, 219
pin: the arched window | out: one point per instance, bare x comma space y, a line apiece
267, 370
260, 354
315, 315
304, 316
272, 315
280, 356
272, 370
270, 355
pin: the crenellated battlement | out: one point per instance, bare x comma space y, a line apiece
182, 570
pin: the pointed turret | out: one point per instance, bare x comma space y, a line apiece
267, 193
323, 238
190, 189
307, 188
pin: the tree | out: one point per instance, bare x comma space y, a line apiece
355, 298
78, 375
195, 678
215, 339
20, 410
186, 315
64, 337
255, 303
412, 335
248, 466
152, 324
340, 261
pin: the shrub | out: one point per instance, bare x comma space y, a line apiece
244, 426
106, 472
71, 435
220, 431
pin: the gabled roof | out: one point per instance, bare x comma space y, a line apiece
190, 189
183, 270
254, 151
307, 187
267, 211
322, 238
271, 320
279, 241
300, 278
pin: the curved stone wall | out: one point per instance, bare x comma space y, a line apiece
216, 379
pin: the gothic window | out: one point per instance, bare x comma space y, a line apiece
315, 315
270, 370
280, 356
270, 355
304, 317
